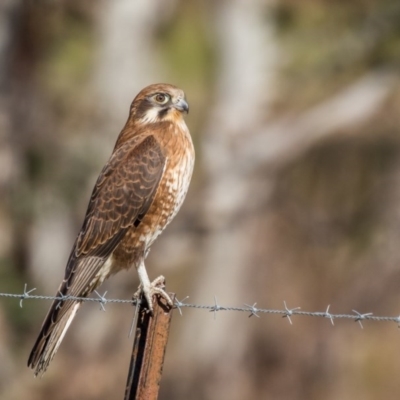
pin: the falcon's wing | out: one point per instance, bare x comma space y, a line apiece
121, 197
123, 193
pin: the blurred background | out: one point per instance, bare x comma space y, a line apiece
295, 115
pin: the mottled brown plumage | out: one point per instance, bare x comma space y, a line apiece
137, 194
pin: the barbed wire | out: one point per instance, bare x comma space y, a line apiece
252, 310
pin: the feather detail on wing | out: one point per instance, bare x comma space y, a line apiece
121, 197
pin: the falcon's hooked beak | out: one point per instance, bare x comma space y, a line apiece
182, 105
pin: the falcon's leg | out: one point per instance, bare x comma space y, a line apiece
151, 288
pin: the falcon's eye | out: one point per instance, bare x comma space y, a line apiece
161, 98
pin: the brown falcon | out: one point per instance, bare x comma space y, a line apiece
137, 194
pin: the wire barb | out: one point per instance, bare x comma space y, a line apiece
25, 295
253, 310
327, 314
179, 304
361, 317
216, 307
62, 298
289, 312
103, 300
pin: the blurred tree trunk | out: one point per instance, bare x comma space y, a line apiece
245, 88
8, 165
126, 58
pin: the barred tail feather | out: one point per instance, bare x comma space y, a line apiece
50, 338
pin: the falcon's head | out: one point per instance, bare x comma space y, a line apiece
159, 102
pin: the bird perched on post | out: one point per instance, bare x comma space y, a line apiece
138, 193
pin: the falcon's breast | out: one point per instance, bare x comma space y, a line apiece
177, 145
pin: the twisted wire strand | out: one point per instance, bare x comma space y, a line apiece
252, 310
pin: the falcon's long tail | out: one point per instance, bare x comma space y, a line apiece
51, 335
82, 276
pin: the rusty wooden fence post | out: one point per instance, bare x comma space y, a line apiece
147, 359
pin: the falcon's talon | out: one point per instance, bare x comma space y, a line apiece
137, 294
155, 288
159, 282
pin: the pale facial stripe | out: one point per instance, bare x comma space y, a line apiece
151, 116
